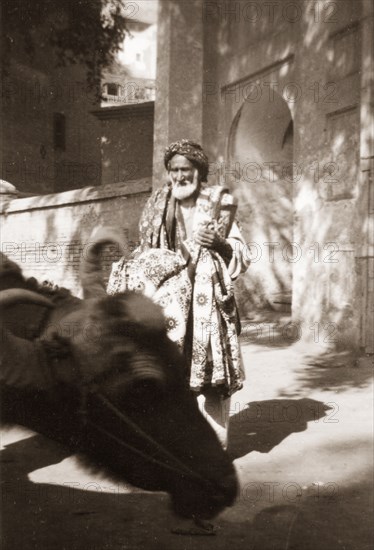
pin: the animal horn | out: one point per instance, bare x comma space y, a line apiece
90, 268
12, 296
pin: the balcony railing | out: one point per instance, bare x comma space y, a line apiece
130, 93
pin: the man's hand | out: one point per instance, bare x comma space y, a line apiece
208, 238
211, 239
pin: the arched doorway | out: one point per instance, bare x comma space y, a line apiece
261, 150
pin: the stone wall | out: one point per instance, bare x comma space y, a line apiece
296, 175
47, 235
326, 207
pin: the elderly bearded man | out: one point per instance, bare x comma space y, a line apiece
188, 216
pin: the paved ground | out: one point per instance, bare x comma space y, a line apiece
301, 434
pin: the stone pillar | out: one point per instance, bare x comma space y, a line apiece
178, 107
365, 258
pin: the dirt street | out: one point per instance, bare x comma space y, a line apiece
301, 435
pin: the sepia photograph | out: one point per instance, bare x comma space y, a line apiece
187, 275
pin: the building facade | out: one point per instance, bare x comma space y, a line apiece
127, 106
54, 137
280, 94
50, 140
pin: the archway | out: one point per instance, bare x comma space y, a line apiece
261, 150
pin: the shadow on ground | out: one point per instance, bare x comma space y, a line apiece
65, 516
269, 329
54, 517
265, 424
333, 372
341, 522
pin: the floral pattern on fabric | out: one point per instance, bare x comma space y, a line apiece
215, 345
151, 219
162, 275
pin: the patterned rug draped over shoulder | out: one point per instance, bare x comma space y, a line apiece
161, 275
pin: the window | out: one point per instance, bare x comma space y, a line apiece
59, 131
112, 88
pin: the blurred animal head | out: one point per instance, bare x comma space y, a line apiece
103, 378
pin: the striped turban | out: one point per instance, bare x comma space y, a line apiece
192, 151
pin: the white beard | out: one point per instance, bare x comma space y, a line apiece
181, 192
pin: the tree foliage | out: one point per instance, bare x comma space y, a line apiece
89, 32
